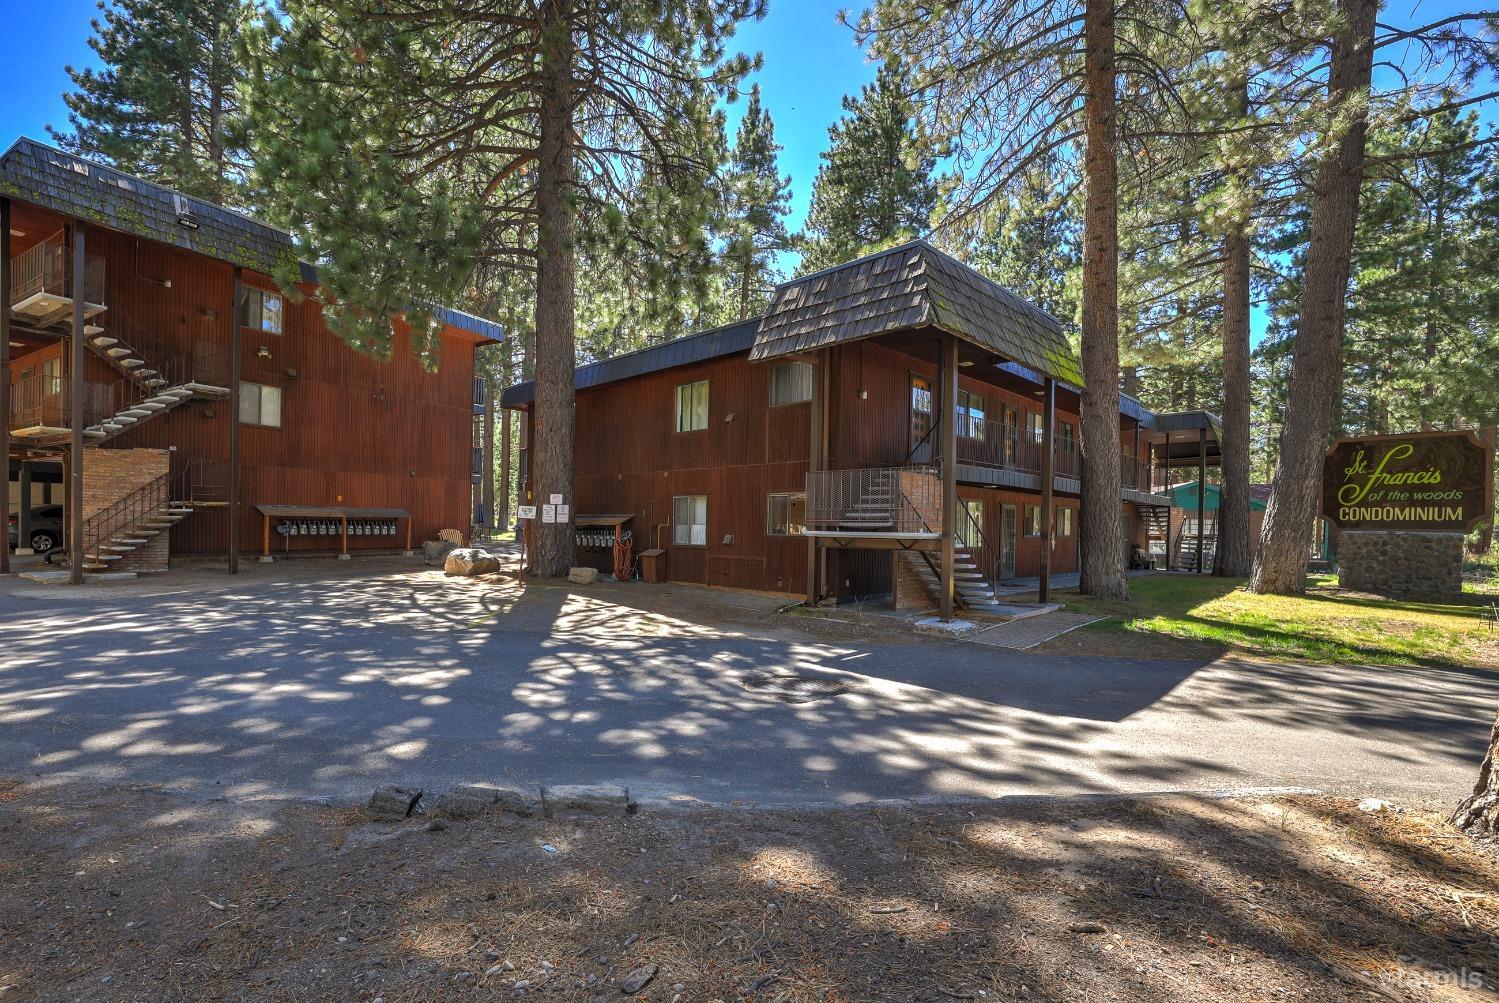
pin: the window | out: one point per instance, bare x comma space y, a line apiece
1035, 425
1068, 435
1033, 520
259, 405
1064, 521
970, 524
262, 311
692, 406
689, 520
787, 514
791, 383
970, 415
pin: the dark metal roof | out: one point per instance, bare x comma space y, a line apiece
912, 286
1189, 421
45, 176
720, 341
331, 512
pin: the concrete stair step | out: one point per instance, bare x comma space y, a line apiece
103, 342
117, 352
132, 363
135, 412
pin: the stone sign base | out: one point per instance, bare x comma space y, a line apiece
1405, 565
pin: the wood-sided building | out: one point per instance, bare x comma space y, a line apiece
151, 363
815, 450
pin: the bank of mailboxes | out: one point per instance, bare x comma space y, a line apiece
332, 527
599, 539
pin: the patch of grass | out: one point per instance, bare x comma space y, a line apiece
1326, 625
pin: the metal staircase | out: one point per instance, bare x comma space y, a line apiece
1186, 546
152, 382
112, 534
970, 588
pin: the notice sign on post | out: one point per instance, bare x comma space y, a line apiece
563, 512
525, 511
549, 513
1424, 482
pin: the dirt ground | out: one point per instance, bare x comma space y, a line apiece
117, 894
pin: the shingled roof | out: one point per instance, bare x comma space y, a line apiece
44, 176
908, 287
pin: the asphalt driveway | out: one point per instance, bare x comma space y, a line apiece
316, 679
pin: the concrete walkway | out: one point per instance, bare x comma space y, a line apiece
322, 679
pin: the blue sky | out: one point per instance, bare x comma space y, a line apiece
811, 62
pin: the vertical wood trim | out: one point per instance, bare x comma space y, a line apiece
75, 408
816, 459
1202, 489
948, 381
5, 383
1048, 476
234, 393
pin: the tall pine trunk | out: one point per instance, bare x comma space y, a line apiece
1478, 813
1317, 363
1233, 557
1102, 515
552, 463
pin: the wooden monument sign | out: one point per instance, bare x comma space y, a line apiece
1418, 482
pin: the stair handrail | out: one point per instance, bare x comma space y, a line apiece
124, 514
990, 560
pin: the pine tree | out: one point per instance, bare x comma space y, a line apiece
875, 187
757, 198
165, 103
1030, 241
407, 141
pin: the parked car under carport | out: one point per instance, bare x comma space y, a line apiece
46, 528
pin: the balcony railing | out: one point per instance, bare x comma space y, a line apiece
39, 402
899, 501
984, 442
1136, 474
47, 268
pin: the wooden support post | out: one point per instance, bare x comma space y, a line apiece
265, 541
234, 373
343, 524
486, 493
815, 463
1202, 489
947, 414
502, 514
76, 406
21, 541
1048, 468
409, 551
23, 517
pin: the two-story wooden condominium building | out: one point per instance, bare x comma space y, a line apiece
163, 391
809, 451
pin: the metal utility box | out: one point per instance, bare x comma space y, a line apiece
653, 566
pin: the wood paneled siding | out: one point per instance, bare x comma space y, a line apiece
630, 459
354, 430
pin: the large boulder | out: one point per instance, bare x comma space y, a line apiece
583, 576
469, 561
435, 551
